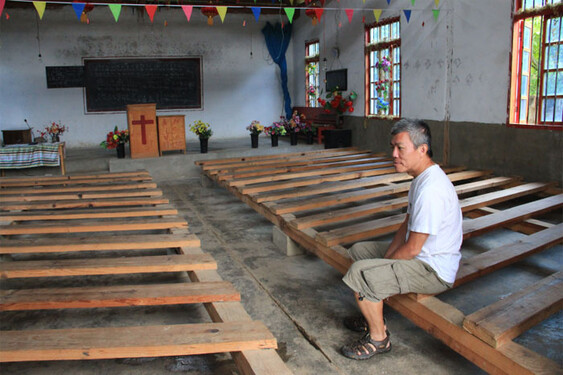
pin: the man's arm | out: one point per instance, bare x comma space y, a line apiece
409, 249
398, 239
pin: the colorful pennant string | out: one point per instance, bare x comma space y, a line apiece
188, 11
115, 10
40, 7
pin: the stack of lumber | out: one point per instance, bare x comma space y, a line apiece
54, 227
329, 199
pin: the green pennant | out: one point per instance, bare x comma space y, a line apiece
290, 12
412, 2
436, 13
115, 10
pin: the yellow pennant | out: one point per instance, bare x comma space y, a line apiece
222, 12
437, 2
40, 7
377, 14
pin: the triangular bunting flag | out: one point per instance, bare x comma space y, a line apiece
436, 14
349, 13
40, 7
290, 1
2, 2
319, 13
412, 2
388, 2
437, 2
151, 9
187, 11
222, 12
290, 12
115, 10
377, 14
78, 9
256, 11
407, 14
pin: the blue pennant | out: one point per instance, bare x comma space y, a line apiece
256, 11
78, 9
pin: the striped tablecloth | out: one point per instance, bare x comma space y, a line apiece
28, 156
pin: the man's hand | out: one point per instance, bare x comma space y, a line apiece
409, 249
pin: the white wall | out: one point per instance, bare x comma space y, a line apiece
237, 87
456, 65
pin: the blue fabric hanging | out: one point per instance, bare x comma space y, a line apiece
277, 41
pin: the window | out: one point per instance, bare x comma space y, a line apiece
312, 73
536, 85
383, 73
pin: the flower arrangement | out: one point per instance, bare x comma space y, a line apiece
201, 129
312, 92
382, 86
277, 128
255, 127
337, 102
295, 122
115, 138
55, 128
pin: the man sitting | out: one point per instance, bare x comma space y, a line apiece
425, 252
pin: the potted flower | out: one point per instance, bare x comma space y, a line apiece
55, 130
274, 131
204, 132
116, 140
255, 128
307, 129
336, 101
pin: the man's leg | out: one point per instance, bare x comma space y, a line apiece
373, 313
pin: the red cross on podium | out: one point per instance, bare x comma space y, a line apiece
143, 122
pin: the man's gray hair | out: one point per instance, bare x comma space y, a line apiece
418, 131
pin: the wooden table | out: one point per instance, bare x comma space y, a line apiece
29, 156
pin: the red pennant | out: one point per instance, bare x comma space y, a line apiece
151, 9
187, 11
349, 13
2, 2
319, 13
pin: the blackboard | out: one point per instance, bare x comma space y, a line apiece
64, 76
171, 83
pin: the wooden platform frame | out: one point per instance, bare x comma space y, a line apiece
61, 206
326, 200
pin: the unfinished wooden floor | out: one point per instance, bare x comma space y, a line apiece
110, 213
327, 200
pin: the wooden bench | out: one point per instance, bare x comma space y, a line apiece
319, 119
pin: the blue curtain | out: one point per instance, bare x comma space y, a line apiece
277, 40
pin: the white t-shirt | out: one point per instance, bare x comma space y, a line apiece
434, 209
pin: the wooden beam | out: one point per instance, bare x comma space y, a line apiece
32, 180
134, 342
116, 296
96, 243
506, 319
106, 266
48, 205
6, 184
86, 195
77, 189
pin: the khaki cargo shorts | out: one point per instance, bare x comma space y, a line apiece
375, 278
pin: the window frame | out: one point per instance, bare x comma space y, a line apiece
516, 72
308, 60
391, 45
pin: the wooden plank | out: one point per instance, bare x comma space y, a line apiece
77, 189
117, 296
74, 182
310, 173
506, 319
87, 195
96, 213
502, 195
96, 243
313, 180
249, 361
532, 361
106, 266
365, 209
134, 342
32, 179
95, 226
116, 202
475, 227
492, 260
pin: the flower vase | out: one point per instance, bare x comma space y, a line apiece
55, 138
274, 140
120, 150
254, 140
203, 145
293, 138
309, 138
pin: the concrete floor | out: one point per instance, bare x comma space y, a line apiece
301, 299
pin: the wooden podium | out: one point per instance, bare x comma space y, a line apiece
172, 133
141, 122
